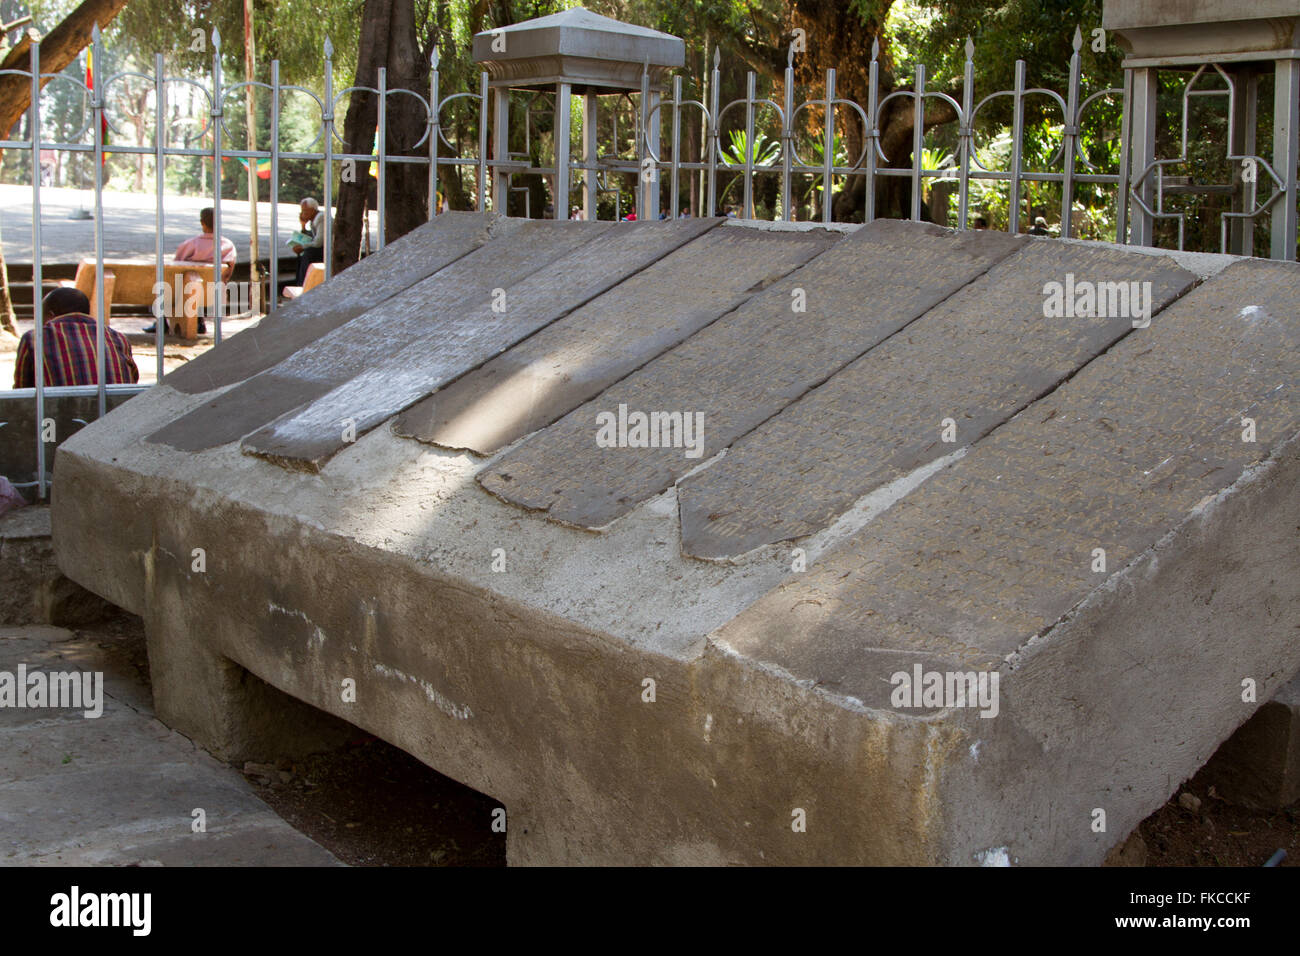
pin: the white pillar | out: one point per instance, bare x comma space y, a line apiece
1286, 153
1143, 151
500, 149
560, 198
653, 124
590, 193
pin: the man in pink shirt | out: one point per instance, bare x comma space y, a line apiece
199, 249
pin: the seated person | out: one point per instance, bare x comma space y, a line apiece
69, 347
199, 249
310, 242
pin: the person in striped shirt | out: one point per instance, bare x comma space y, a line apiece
69, 342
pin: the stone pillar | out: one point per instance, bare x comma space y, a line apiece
1245, 97
1142, 152
560, 198
1286, 153
590, 192
500, 149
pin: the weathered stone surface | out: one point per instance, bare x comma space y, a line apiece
974, 360
402, 264
376, 382
746, 367
568, 362
320, 362
994, 549
628, 703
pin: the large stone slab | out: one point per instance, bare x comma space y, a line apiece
319, 363
568, 362
965, 367
459, 336
746, 367
628, 702
400, 265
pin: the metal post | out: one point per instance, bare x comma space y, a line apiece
590, 191
482, 140
1241, 142
219, 290
787, 136
159, 161
435, 131
97, 117
1125, 142
751, 88
38, 306
652, 126
918, 141
563, 97
872, 131
381, 152
828, 146
1286, 153
966, 135
675, 187
328, 131
1017, 149
275, 187
500, 145
1071, 136
715, 80
1142, 150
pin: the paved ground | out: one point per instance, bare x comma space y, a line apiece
129, 221
121, 789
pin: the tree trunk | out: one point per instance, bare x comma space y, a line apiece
832, 43
387, 40
58, 48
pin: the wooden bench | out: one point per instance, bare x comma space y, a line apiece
315, 276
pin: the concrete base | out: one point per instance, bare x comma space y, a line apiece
32, 588
532, 623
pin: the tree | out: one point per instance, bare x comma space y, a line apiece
388, 39
59, 47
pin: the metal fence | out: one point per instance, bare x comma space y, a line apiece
650, 165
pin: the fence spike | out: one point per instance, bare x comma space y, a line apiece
216, 38
1078, 39
875, 48
329, 49
717, 57
434, 57
970, 49
94, 33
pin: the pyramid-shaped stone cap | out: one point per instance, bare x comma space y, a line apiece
1204, 29
579, 46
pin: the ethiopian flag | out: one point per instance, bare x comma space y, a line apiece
263, 167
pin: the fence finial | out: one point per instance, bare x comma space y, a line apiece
216, 39
94, 33
434, 57
1078, 39
329, 49
717, 57
875, 48
970, 49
